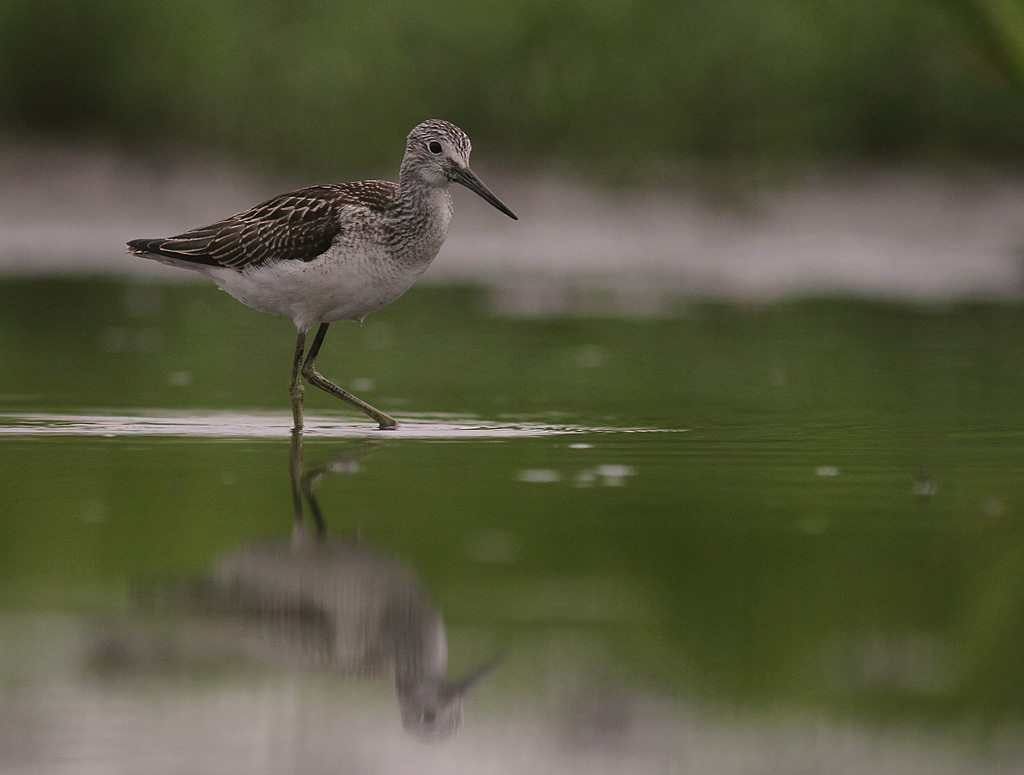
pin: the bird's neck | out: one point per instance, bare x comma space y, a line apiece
416, 186
423, 209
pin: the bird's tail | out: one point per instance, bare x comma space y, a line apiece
142, 247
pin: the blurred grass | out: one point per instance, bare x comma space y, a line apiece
997, 27
618, 85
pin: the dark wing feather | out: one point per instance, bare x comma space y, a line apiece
300, 225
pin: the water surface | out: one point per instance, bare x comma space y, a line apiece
729, 538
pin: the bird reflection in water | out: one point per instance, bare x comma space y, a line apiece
338, 604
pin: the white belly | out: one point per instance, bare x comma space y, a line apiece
336, 286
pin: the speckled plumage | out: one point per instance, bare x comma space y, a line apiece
300, 225
336, 251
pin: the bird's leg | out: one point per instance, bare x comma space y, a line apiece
295, 477
296, 389
316, 379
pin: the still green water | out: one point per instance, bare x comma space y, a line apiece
811, 508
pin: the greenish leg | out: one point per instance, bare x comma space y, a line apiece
316, 379
296, 389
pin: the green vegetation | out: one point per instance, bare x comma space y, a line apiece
625, 84
997, 27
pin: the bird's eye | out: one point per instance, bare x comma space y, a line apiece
429, 716
434, 147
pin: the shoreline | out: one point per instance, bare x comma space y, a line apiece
876, 232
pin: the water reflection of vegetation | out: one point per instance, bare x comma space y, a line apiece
840, 528
845, 365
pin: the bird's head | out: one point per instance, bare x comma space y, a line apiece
438, 152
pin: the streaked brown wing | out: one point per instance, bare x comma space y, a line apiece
300, 225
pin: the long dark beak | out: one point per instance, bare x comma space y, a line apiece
469, 179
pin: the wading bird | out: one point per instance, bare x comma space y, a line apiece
336, 251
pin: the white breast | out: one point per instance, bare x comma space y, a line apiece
368, 267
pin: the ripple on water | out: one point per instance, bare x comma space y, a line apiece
256, 425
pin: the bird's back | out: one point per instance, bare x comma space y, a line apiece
297, 226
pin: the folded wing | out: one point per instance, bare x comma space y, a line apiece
300, 225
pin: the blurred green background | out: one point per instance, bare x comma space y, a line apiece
614, 86
838, 529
